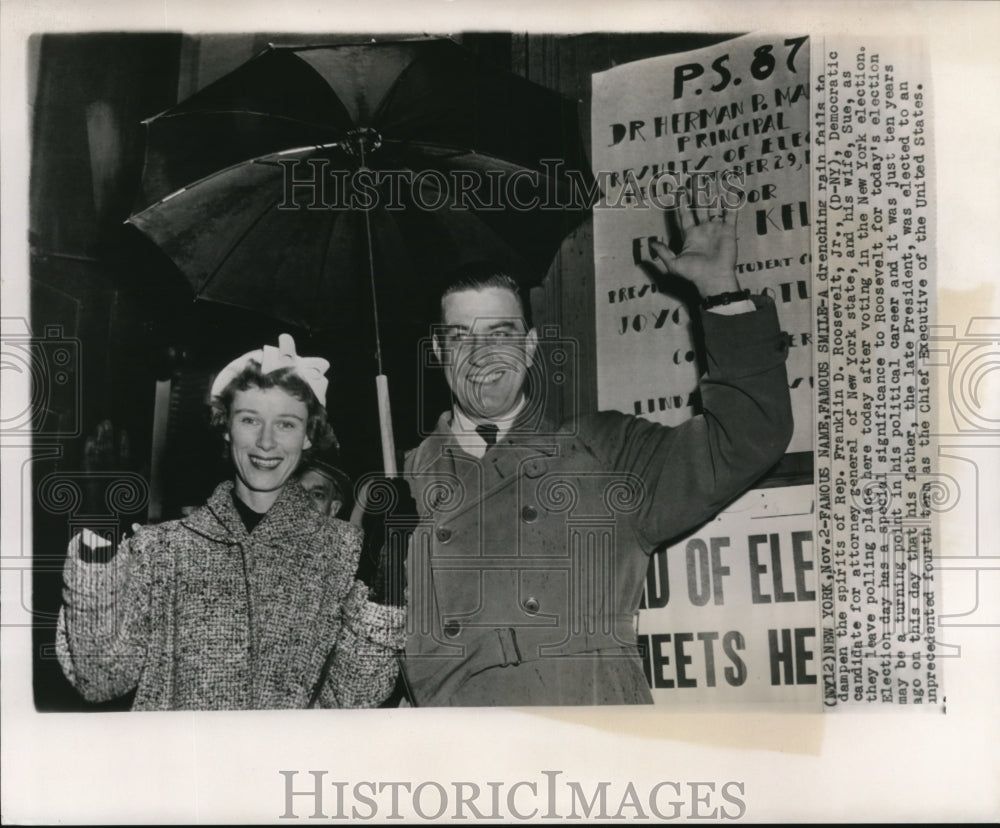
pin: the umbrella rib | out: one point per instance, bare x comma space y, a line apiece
260, 159
404, 72
269, 115
237, 243
311, 47
462, 150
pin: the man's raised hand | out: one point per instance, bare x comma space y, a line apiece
708, 256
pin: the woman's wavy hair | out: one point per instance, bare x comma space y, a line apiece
318, 427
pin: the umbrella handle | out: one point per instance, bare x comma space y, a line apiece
385, 426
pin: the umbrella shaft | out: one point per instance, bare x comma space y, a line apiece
385, 426
371, 277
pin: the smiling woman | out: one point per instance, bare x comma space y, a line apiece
267, 434
270, 421
251, 601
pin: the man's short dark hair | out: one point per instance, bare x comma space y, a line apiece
479, 278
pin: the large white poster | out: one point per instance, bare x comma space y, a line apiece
731, 612
732, 120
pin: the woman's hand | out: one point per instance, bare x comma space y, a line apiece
387, 512
90, 547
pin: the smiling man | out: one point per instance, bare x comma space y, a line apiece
487, 350
527, 571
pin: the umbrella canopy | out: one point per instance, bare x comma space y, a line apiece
308, 263
421, 160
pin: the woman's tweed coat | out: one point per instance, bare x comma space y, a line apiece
198, 614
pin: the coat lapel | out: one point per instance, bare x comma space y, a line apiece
218, 519
439, 462
291, 516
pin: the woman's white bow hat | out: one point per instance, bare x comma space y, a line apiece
311, 370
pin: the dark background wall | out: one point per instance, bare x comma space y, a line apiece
131, 323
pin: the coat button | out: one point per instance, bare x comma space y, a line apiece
444, 535
529, 514
452, 629
530, 605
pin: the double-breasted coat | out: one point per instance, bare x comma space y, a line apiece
199, 614
526, 573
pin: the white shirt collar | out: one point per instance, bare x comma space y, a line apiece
464, 429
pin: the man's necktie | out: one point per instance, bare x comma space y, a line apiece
488, 431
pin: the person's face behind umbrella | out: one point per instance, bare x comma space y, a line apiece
324, 496
486, 350
267, 435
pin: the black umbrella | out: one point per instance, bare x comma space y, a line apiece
417, 160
